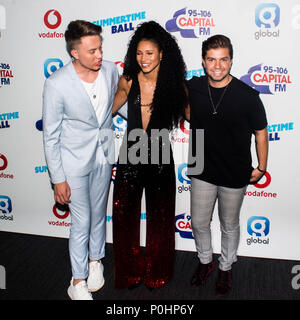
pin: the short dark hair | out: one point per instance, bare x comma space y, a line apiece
217, 41
78, 29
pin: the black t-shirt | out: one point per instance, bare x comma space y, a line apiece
227, 134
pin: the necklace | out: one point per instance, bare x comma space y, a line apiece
220, 100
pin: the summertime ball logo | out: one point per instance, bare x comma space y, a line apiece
191, 23
122, 23
268, 79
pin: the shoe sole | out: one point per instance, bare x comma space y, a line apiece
69, 294
94, 290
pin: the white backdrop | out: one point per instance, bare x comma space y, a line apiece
265, 39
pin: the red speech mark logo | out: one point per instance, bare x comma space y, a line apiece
266, 183
4, 165
58, 19
60, 216
183, 128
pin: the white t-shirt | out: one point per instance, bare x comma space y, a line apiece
97, 91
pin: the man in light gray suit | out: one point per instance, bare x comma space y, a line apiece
79, 149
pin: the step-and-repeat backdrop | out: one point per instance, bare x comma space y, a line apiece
265, 36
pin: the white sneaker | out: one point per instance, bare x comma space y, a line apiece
79, 291
95, 280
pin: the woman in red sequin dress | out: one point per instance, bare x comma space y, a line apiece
153, 85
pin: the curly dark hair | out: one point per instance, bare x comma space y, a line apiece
170, 96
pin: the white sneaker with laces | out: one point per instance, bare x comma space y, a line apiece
79, 291
95, 280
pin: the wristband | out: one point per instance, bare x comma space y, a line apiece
262, 171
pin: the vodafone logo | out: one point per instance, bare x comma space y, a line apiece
60, 214
266, 183
183, 128
52, 19
262, 184
3, 162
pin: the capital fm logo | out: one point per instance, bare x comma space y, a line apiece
267, 18
3, 165
183, 226
268, 79
5, 208
52, 20
51, 65
6, 74
258, 228
191, 22
183, 179
61, 212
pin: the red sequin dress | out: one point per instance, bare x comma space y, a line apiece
133, 264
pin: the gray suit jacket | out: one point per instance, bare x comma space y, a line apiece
71, 132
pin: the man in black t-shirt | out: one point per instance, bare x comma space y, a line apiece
229, 111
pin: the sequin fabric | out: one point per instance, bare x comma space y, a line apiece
132, 263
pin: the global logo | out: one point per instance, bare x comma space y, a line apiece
183, 178
51, 65
119, 124
183, 226
5, 204
258, 228
182, 174
6, 208
191, 23
119, 127
267, 17
52, 19
267, 79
